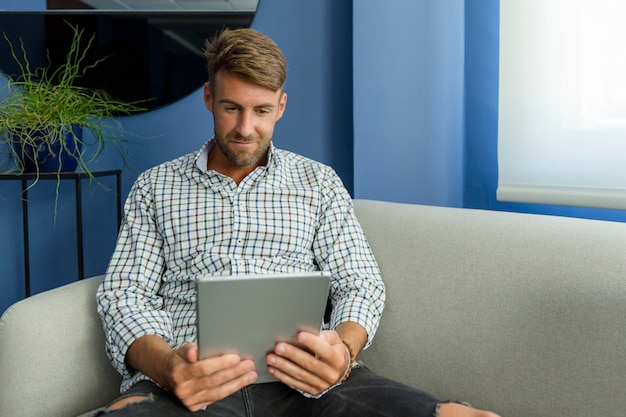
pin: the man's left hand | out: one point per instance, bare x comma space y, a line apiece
313, 367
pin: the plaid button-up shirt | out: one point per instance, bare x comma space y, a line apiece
182, 221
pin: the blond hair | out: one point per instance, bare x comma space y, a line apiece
249, 54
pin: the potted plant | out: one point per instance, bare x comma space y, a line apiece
44, 113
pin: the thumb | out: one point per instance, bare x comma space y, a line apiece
330, 336
189, 352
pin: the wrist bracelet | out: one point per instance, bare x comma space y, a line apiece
352, 359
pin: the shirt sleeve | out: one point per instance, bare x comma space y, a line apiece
128, 299
357, 291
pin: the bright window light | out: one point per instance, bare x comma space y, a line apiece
562, 102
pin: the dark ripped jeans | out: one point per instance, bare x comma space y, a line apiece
363, 394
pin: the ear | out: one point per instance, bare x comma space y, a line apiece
281, 105
208, 97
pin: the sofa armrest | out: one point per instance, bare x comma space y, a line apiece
52, 354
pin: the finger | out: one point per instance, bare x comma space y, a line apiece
331, 336
216, 382
189, 351
202, 368
320, 345
301, 366
294, 359
215, 393
312, 386
222, 368
329, 348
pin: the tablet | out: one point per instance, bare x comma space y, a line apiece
249, 314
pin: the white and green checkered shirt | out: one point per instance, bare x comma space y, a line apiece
182, 221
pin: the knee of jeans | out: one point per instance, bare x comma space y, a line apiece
129, 400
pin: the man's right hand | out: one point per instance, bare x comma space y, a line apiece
197, 383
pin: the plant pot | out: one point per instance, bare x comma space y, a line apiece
50, 156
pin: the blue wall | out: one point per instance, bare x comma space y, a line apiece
421, 98
316, 38
408, 101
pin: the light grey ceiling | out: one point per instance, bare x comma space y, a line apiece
175, 5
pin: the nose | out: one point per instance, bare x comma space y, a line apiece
245, 124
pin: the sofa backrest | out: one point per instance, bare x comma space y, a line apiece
521, 314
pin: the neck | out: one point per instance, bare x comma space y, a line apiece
218, 162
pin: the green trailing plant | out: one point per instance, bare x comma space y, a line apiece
49, 102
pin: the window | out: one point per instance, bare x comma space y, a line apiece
562, 102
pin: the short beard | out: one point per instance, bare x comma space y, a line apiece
238, 159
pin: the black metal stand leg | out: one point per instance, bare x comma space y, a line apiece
79, 229
26, 243
24, 178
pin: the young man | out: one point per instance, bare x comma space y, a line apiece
237, 206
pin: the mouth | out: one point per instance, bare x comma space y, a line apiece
239, 141
245, 144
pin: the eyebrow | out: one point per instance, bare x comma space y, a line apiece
260, 106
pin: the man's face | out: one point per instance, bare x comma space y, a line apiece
244, 115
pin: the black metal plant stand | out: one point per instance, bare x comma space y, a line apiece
77, 177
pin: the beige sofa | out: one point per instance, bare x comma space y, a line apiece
521, 314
